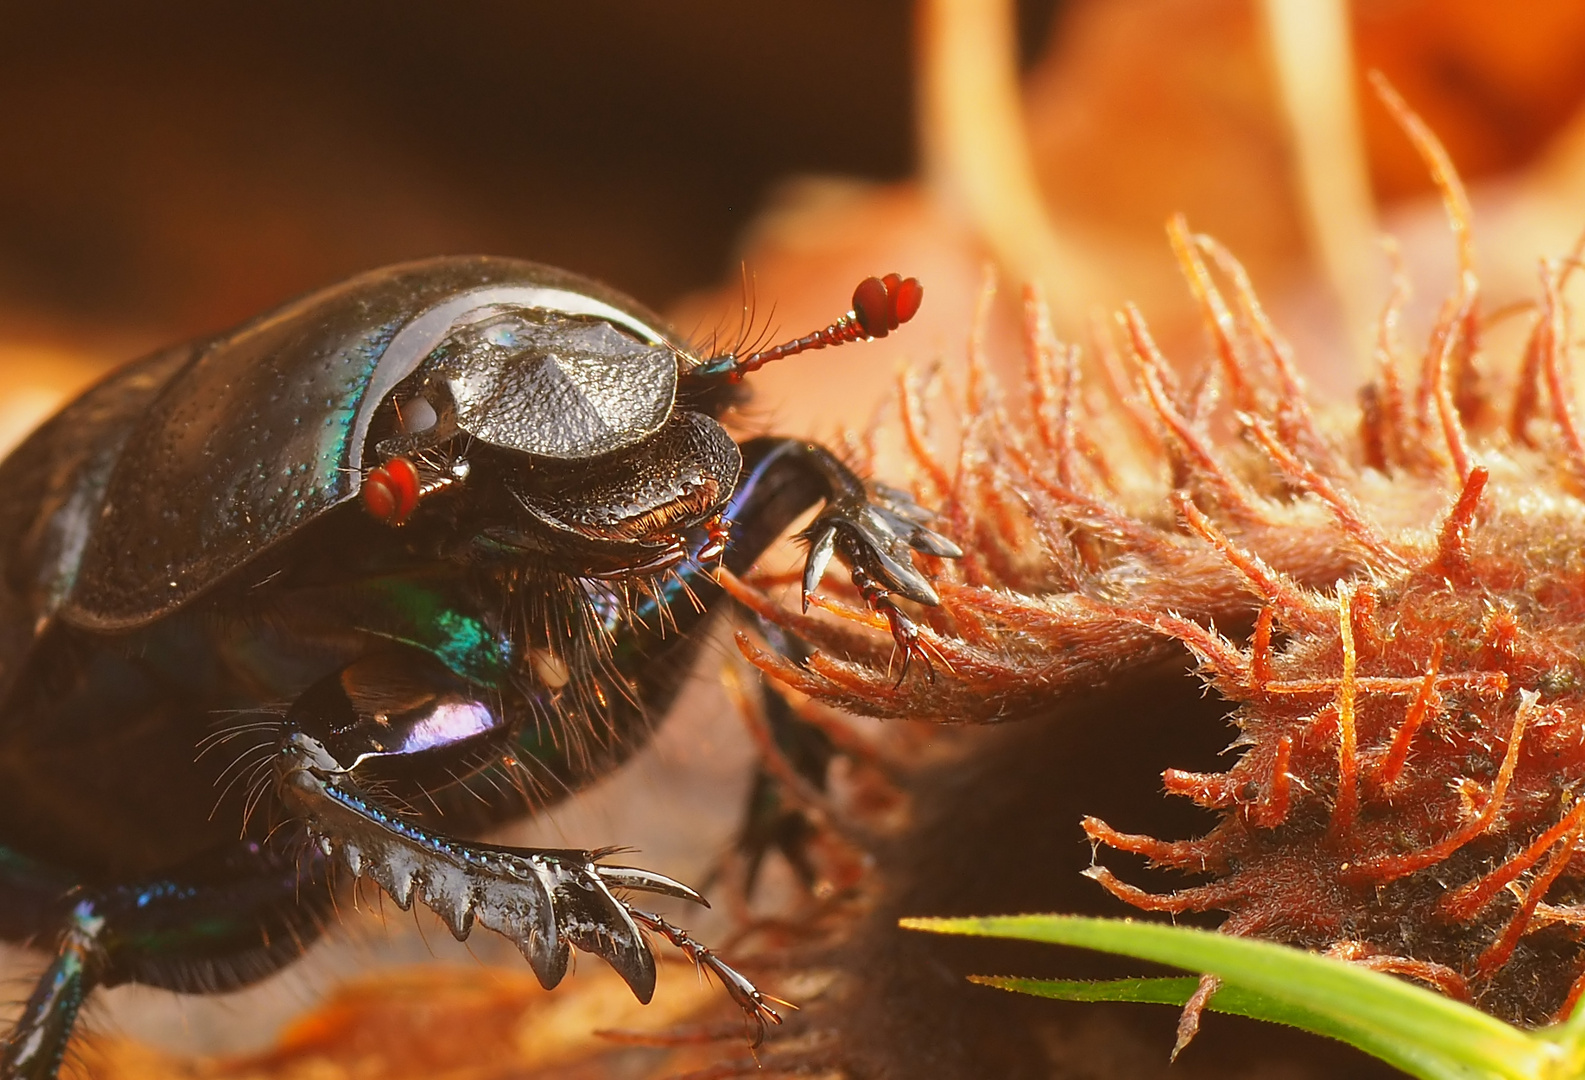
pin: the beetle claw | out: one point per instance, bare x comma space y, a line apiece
636, 880
820, 552
876, 534
905, 632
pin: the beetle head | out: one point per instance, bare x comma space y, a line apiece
572, 419
573, 415
548, 384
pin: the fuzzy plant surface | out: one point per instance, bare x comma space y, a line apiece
1390, 603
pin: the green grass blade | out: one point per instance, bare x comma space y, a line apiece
1392, 1011
1569, 1038
1234, 1000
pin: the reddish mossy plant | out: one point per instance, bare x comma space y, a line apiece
1394, 611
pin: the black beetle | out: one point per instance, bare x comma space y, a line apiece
430, 544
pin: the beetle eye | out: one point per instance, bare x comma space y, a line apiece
416, 415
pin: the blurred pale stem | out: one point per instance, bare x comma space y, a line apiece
1313, 57
1561, 171
1555, 191
976, 148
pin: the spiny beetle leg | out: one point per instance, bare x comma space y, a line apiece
875, 539
546, 901
543, 901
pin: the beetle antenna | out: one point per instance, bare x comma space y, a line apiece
880, 305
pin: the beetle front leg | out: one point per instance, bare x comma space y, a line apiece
545, 901
873, 528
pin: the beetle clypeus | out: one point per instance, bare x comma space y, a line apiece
435, 541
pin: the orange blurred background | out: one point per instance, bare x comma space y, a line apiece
170, 172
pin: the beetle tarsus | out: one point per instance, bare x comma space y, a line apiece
756, 1005
905, 632
876, 538
873, 528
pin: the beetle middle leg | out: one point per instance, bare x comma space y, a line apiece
225, 920
772, 821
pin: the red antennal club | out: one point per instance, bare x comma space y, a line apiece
880, 305
391, 491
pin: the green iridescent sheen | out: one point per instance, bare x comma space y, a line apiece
420, 611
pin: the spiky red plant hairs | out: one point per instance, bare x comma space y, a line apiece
1395, 615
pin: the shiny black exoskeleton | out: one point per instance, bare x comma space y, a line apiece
398, 561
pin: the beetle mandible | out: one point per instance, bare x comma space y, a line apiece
434, 542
